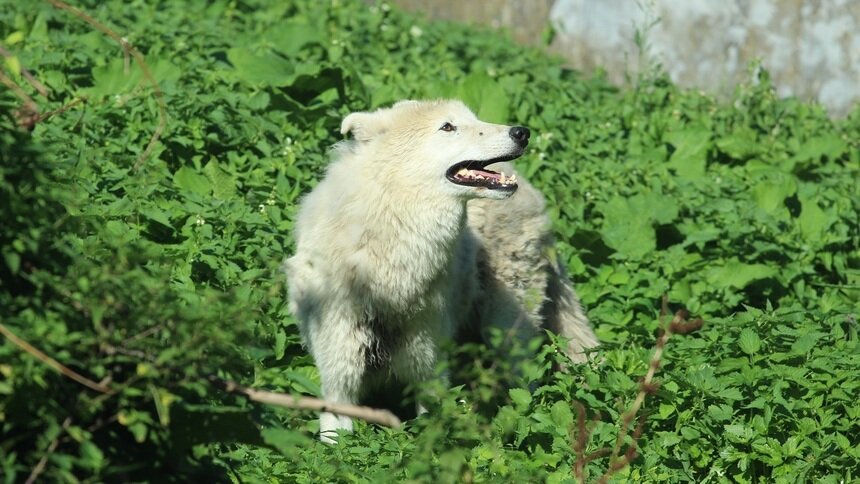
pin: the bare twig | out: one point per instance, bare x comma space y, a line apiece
111, 350
40, 466
128, 49
579, 443
28, 101
368, 414
143, 334
64, 370
28, 115
61, 109
29, 112
647, 386
38, 86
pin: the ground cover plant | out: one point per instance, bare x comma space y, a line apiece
149, 274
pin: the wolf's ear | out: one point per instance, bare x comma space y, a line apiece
362, 125
365, 126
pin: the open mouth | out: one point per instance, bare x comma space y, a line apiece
473, 173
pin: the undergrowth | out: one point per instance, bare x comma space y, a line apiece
148, 273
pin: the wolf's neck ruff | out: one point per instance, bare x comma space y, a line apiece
415, 237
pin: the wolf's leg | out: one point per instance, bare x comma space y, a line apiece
335, 389
415, 362
339, 356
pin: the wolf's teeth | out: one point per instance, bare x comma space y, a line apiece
463, 172
502, 178
513, 178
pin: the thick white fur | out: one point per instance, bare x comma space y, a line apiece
392, 257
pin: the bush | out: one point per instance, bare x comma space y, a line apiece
150, 274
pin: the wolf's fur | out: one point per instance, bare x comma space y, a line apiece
392, 257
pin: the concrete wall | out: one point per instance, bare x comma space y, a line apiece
810, 47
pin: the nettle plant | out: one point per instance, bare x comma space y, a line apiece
135, 273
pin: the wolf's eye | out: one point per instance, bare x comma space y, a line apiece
448, 127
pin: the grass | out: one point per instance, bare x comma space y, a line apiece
148, 273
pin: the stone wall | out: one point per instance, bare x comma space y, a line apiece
810, 47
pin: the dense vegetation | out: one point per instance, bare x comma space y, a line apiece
150, 280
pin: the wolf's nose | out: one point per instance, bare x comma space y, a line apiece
520, 134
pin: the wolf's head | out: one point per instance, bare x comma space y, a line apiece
438, 147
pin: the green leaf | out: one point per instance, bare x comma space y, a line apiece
691, 152
486, 97
521, 398
261, 69
770, 193
656, 206
223, 184
291, 36
280, 344
749, 341
14, 38
301, 383
720, 412
731, 393
740, 144
189, 180
116, 77
157, 215
562, 416
830, 146
91, 456
285, 441
739, 433
806, 342
737, 274
813, 221
628, 223
690, 433
13, 261
665, 411
632, 236
13, 65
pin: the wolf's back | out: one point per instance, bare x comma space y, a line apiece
522, 286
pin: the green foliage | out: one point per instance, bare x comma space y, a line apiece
151, 280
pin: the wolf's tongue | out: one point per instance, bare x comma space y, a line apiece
488, 174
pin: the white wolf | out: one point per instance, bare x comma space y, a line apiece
411, 237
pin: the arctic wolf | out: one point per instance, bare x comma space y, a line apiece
420, 229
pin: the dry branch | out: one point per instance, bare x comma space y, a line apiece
40, 466
26, 74
368, 414
647, 386
29, 112
63, 369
